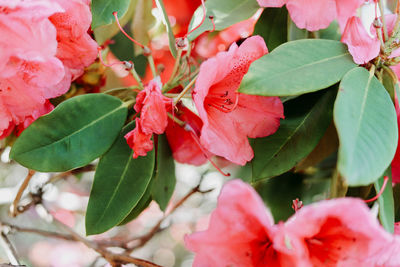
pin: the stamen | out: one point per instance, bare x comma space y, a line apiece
385, 180
211, 17
115, 13
196, 139
219, 102
297, 204
127, 64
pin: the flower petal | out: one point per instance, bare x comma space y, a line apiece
362, 47
312, 15
271, 3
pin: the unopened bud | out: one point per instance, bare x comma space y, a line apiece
377, 23
181, 42
146, 51
128, 65
160, 68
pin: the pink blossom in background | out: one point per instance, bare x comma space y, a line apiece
240, 233
31, 70
139, 141
230, 117
314, 15
337, 232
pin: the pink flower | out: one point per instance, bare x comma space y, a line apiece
361, 45
29, 67
183, 145
139, 141
33, 61
230, 117
151, 103
76, 49
337, 232
152, 106
240, 233
314, 15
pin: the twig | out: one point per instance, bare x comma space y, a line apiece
185, 90
14, 207
145, 238
9, 249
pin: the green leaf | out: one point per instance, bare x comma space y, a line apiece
143, 203
389, 81
119, 184
386, 203
307, 119
331, 33
298, 67
365, 119
164, 175
102, 11
78, 131
272, 27
171, 37
225, 12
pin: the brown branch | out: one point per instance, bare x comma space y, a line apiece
8, 248
14, 207
142, 240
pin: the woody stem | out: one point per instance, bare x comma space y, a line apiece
137, 78
385, 32
174, 70
152, 65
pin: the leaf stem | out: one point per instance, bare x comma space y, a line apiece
152, 65
174, 70
137, 77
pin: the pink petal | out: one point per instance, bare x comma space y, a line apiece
153, 113
345, 10
361, 46
184, 148
272, 3
215, 94
334, 233
312, 15
139, 141
239, 233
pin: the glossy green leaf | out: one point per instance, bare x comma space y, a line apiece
386, 203
119, 184
225, 12
365, 119
171, 37
306, 120
102, 11
331, 33
272, 27
78, 131
143, 203
298, 67
164, 174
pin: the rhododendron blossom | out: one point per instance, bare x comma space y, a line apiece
396, 160
230, 117
139, 141
37, 58
240, 233
314, 15
337, 232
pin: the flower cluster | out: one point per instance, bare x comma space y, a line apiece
44, 45
227, 117
338, 232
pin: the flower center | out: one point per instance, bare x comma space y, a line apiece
225, 102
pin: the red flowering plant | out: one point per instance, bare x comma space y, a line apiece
298, 98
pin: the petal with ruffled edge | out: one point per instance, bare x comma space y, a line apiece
312, 15
139, 141
345, 10
361, 46
337, 232
240, 232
